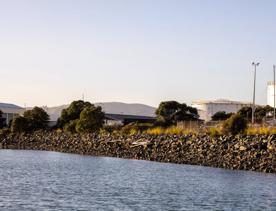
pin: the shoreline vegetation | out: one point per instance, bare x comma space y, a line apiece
177, 136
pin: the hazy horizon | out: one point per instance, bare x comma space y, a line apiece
139, 51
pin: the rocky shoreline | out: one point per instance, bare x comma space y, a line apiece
255, 153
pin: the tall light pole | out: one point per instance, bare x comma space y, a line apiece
254, 91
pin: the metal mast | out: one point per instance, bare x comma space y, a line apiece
254, 91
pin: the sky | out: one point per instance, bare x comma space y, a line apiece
135, 51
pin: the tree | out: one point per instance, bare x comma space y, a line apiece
260, 112
31, 120
2, 120
246, 112
71, 126
91, 119
19, 125
234, 125
72, 112
37, 119
221, 116
171, 112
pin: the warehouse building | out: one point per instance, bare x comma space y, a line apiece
206, 109
10, 111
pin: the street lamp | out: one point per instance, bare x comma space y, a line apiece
253, 105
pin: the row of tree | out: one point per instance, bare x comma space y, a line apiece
83, 116
78, 117
237, 123
171, 112
246, 112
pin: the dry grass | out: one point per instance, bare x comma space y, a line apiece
214, 131
183, 130
173, 130
261, 130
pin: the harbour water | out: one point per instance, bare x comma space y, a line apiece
36, 180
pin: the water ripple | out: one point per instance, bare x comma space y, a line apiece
34, 180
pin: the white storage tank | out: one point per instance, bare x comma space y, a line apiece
207, 109
270, 93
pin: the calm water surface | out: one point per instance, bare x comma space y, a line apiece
32, 180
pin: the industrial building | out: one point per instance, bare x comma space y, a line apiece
10, 111
206, 109
270, 93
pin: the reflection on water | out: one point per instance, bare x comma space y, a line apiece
55, 181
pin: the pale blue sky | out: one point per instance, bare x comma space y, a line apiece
143, 51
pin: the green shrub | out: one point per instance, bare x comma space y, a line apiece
72, 112
171, 112
19, 125
81, 117
91, 120
221, 116
234, 125
71, 126
37, 119
32, 120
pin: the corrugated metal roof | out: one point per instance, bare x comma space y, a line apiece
9, 105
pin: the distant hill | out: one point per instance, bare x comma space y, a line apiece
110, 107
9, 105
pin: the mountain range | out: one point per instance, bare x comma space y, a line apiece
111, 108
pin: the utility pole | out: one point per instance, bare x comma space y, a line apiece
274, 94
254, 91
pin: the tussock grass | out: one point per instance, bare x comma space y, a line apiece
263, 130
184, 130
173, 130
214, 131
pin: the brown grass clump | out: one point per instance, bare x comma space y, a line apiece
173, 130
262, 130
